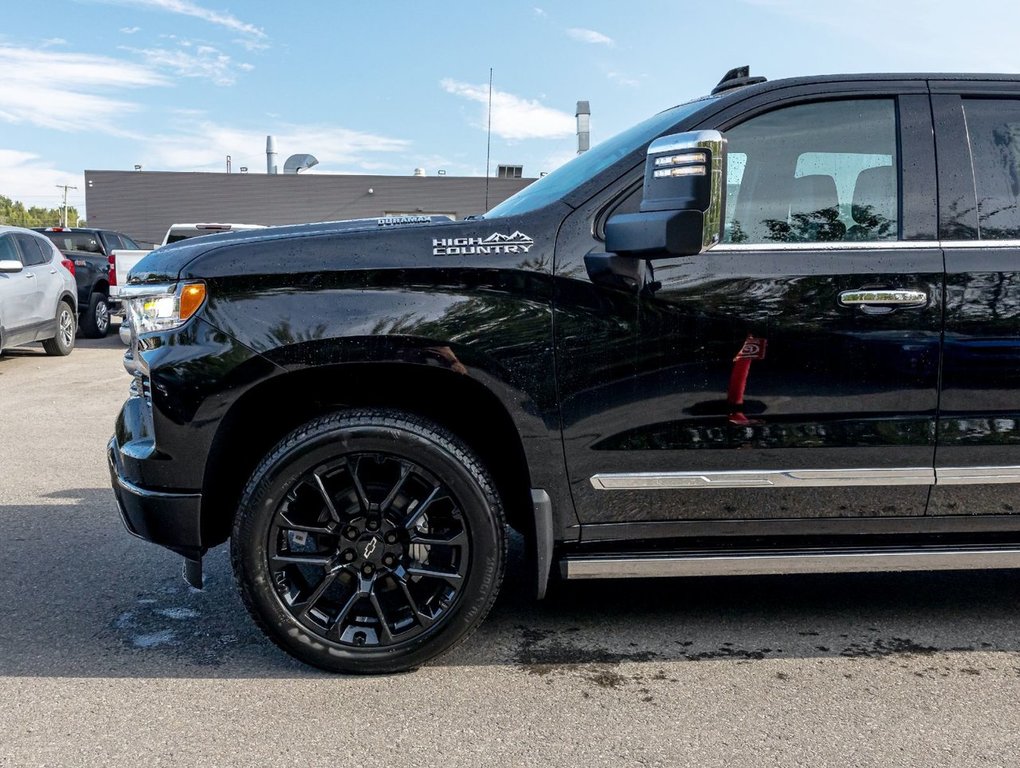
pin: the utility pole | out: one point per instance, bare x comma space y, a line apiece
65, 187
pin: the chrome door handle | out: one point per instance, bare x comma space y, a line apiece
883, 298
30, 274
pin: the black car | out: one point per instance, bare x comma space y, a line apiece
89, 250
772, 330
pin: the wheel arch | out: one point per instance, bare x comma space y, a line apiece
458, 402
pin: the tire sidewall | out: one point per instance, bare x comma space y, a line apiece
259, 505
57, 344
90, 320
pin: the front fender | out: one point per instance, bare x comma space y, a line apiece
493, 326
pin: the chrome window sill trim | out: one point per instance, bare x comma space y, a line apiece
866, 245
836, 245
763, 564
805, 478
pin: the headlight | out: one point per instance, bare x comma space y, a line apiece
162, 307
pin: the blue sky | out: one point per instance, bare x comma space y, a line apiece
385, 87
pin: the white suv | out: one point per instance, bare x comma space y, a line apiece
38, 297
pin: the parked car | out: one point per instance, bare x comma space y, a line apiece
89, 251
37, 293
772, 330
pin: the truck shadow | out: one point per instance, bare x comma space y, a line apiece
100, 603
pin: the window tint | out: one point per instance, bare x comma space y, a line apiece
8, 252
130, 244
993, 126
32, 252
74, 241
814, 173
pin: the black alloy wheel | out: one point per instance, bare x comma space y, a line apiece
369, 541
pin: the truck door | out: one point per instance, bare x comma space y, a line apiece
978, 453
790, 372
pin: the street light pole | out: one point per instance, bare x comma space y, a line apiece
65, 187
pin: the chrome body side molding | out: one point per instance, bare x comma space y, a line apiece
788, 478
976, 475
805, 478
791, 562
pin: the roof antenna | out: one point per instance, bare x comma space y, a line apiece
736, 78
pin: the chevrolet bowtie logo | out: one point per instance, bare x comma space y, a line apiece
370, 547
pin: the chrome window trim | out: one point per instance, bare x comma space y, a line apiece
804, 478
865, 245
834, 245
981, 244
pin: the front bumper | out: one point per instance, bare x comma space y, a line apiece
171, 519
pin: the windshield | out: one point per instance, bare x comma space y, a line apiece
583, 167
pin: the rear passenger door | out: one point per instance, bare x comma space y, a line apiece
978, 143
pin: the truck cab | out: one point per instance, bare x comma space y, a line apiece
766, 331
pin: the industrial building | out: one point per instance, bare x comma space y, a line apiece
143, 204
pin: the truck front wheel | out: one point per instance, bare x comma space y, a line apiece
369, 541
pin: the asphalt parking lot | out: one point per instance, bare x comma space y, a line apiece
107, 657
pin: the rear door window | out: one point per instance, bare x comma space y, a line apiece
993, 127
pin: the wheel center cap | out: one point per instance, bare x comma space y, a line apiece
370, 549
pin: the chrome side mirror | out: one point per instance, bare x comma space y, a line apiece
683, 200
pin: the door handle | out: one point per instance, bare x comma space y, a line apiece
882, 297
29, 275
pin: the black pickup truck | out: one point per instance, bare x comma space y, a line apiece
772, 330
89, 251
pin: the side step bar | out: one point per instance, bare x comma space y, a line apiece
764, 562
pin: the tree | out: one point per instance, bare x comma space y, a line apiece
14, 213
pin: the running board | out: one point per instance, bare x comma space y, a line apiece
761, 563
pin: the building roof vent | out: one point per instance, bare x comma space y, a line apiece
509, 171
298, 163
419, 171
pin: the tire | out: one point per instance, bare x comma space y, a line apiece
369, 541
95, 320
63, 342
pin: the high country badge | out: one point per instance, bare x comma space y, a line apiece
518, 242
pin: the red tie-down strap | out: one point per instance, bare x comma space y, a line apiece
753, 349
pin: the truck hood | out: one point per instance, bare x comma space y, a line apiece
399, 242
167, 263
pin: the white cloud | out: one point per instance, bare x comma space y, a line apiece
540, 13
621, 79
198, 61
187, 8
130, 30
203, 146
53, 41
67, 91
589, 36
34, 182
512, 116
